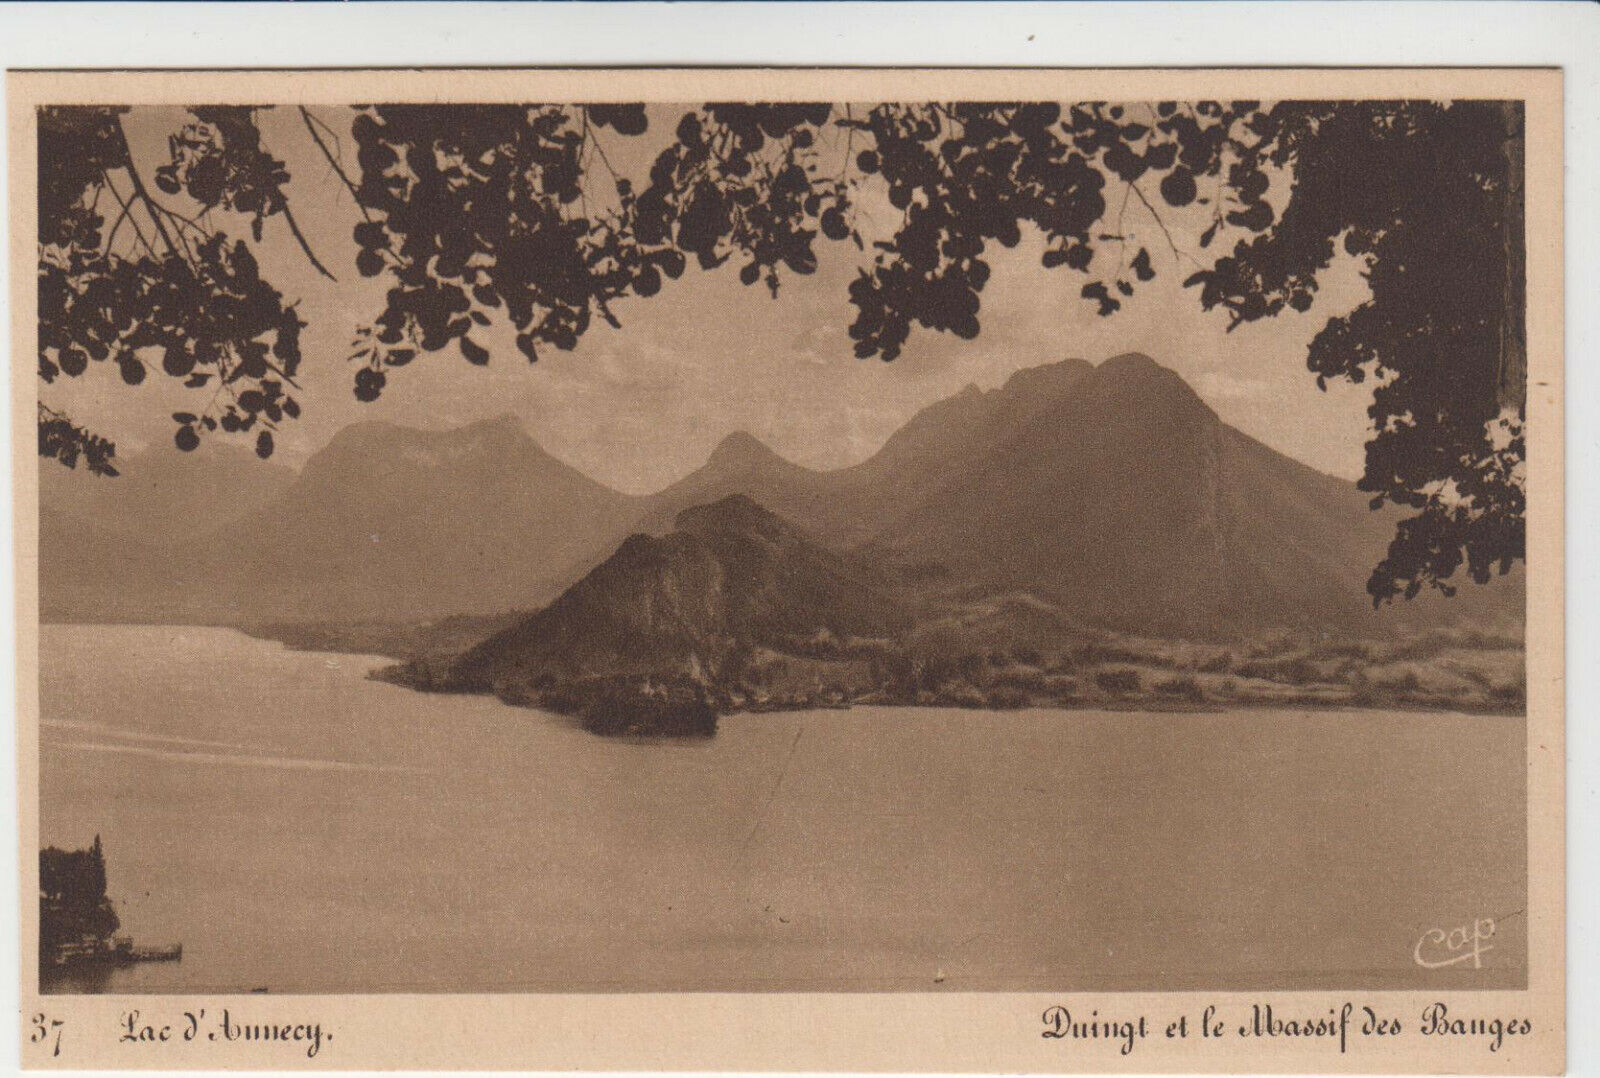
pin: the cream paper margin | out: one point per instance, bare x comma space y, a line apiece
968, 1032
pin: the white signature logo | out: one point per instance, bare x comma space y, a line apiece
1440, 947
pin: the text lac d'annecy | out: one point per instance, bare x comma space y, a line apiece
194, 1025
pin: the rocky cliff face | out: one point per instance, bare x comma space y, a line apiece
732, 576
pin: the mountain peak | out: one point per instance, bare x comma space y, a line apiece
740, 447
374, 440
1047, 378
736, 512
505, 421
1137, 380
1129, 363
499, 433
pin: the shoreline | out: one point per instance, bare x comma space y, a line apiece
1152, 706
1197, 691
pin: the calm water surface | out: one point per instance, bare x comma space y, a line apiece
300, 828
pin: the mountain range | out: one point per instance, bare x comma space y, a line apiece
1111, 492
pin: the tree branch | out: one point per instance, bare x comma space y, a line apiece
305, 246
142, 193
126, 215
1163, 226
333, 162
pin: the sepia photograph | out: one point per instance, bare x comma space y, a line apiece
969, 539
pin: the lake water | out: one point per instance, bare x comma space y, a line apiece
301, 828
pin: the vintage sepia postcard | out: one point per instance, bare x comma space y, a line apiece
831, 570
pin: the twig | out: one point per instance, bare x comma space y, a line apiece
182, 223
1163, 227
127, 208
1122, 234
281, 373
849, 143
333, 163
305, 246
605, 311
142, 193
592, 136
111, 237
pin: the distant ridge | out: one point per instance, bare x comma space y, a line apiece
387, 522
1112, 491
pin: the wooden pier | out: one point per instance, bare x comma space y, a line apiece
125, 952
171, 952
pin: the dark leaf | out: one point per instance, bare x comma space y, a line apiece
369, 384
672, 263
1161, 156
1178, 187
1255, 217
648, 283
1097, 291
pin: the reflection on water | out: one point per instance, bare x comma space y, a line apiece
77, 979
300, 828
231, 759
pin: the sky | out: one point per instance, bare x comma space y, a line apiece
639, 407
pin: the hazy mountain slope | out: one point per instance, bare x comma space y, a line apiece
1112, 490
90, 573
850, 506
741, 464
1131, 504
383, 523
1105, 494
391, 522
944, 435
1315, 544
163, 494
131, 548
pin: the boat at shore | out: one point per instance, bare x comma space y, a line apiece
117, 951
